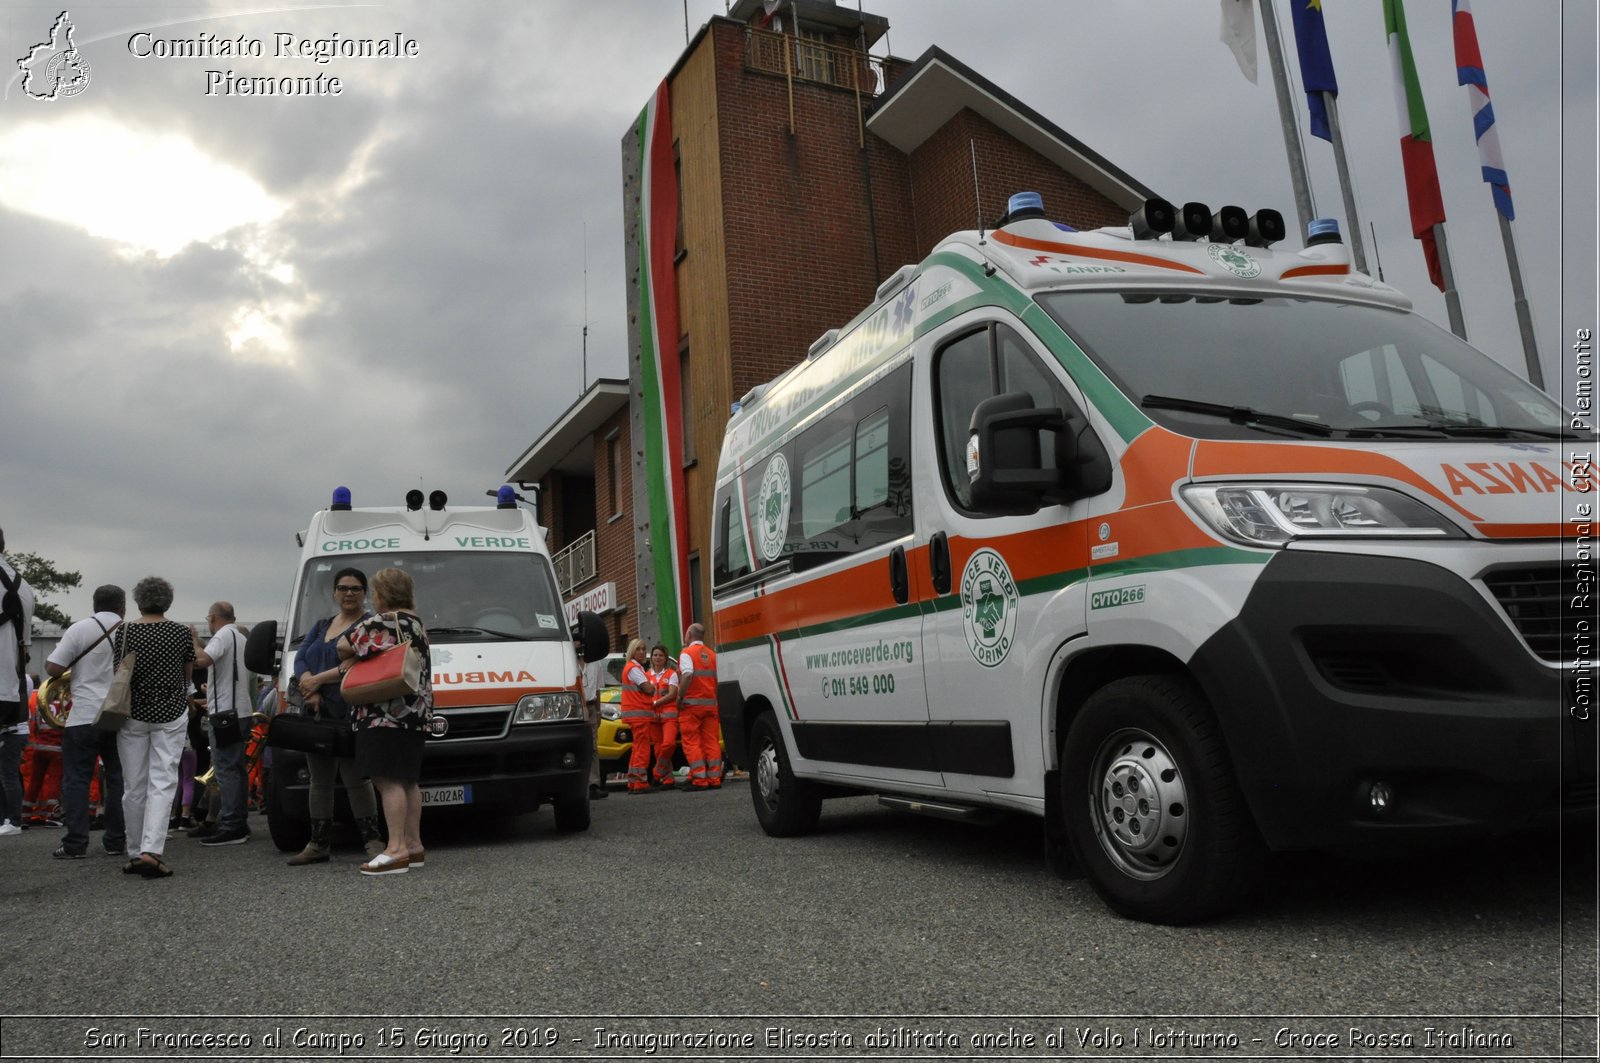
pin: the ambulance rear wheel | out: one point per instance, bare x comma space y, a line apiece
1153, 813
785, 806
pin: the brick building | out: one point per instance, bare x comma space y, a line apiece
781, 172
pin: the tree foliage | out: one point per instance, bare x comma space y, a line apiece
45, 578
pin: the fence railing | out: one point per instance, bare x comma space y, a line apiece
806, 59
575, 563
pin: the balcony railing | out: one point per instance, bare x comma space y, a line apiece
807, 59
575, 563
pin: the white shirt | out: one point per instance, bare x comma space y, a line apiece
9, 688
686, 662
224, 690
594, 679
91, 676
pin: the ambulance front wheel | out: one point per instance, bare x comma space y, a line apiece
1152, 810
786, 806
289, 834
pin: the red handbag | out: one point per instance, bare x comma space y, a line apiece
394, 673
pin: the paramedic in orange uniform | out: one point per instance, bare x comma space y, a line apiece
42, 798
639, 714
699, 728
665, 679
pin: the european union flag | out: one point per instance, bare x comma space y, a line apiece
1316, 63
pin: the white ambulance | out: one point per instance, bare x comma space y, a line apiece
1193, 547
509, 733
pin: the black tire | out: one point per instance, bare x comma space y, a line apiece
1189, 853
572, 812
288, 834
785, 805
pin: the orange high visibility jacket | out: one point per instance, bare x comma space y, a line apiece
699, 684
636, 705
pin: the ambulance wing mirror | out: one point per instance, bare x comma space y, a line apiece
261, 648
1006, 461
590, 636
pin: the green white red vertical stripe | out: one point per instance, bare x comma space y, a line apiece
1416, 140
668, 529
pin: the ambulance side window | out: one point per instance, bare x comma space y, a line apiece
730, 555
854, 488
991, 361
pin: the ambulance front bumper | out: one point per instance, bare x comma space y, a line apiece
1366, 698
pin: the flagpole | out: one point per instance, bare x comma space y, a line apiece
1452, 298
1291, 133
1519, 300
1357, 248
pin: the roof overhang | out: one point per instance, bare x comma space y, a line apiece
557, 450
938, 86
826, 14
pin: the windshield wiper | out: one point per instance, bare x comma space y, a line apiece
508, 636
1495, 431
1237, 414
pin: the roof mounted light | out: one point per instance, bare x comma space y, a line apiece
1266, 228
506, 498
1323, 231
436, 500
341, 498
1020, 206
1152, 219
1194, 223
1229, 224
821, 343
413, 499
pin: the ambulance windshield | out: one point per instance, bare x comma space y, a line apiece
1345, 370
461, 596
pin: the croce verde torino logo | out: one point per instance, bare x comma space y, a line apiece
988, 607
1234, 261
772, 508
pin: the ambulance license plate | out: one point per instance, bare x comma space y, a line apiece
433, 796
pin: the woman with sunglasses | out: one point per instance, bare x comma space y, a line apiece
317, 666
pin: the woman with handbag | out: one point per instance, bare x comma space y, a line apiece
150, 743
316, 664
390, 732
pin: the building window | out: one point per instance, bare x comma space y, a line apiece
613, 462
686, 402
694, 590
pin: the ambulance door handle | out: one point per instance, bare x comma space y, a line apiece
939, 562
899, 575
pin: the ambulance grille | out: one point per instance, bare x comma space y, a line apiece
474, 723
1531, 597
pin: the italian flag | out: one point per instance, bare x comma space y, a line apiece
658, 357
1416, 141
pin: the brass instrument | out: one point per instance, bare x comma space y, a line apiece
56, 689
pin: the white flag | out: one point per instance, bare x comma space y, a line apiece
1239, 34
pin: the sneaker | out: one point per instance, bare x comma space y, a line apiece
62, 853
202, 830
231, 836
8, 828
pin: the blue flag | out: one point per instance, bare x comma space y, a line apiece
1316, 63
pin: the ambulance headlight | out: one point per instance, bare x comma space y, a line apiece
542, 708
1276, 514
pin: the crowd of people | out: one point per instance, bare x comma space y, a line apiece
194, 714
136, 784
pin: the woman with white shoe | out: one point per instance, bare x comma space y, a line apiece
390, 734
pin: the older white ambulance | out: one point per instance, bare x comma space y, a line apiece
509, 733
1191, 546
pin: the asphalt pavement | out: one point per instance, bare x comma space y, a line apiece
678, 905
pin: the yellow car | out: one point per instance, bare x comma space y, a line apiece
614, 740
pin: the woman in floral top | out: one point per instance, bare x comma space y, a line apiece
390, 734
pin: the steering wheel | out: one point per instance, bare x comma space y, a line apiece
1369, 406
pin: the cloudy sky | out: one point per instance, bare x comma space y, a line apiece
215, 309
